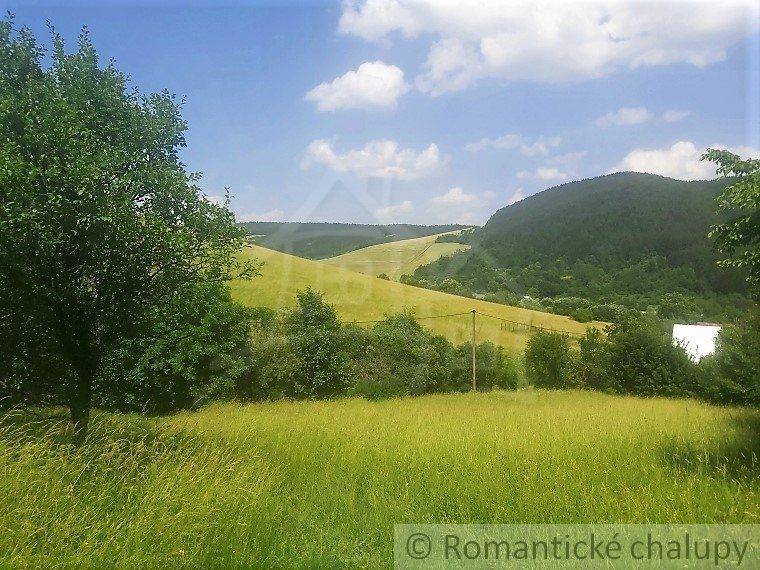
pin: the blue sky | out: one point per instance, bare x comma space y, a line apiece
431, 112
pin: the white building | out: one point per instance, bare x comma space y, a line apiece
698, 340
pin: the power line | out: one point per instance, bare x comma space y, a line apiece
416, 318
528, 325
516, 323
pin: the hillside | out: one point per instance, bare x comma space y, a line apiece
319, 240
629, 238
363, 297
616, 219
396, 258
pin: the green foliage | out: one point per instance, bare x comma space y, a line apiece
493, 370
313, 331
384, 276
99, 222
642, 360
197, 350
310, 354
636, 356
739, 236
548, 360
625, 240
737, 361
403, 359
320, 240
592, 366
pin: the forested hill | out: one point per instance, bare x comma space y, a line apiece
627, 238
318, 240
615, 219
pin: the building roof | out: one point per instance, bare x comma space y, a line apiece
697, 340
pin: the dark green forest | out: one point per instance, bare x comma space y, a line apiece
319, 240
598, 248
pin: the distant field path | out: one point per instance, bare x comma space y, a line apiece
361, 297
394, 258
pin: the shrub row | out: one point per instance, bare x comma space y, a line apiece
310, 354
636, 356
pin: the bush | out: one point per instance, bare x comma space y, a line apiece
643, 361
196, 350
403, 359
582, 315
313, 331
493, 368
548, 360
309, 354
737, 361
592, 367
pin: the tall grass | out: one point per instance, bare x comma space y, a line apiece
322, 483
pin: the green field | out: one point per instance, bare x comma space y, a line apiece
359, 297
321, 483
395, 258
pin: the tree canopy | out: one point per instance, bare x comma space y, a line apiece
739, 236
99, 220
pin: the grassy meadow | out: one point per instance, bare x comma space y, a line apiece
321, 483
359, 297
394, 258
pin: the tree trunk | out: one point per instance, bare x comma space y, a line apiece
81, 400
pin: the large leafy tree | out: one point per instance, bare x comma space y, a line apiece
99, 221
739, 237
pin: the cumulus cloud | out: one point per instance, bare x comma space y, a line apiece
551, 41
393, 211
681, 160
454, 197
379, 158
458, 206
674, 116
540, 146
543, 173
275, 215
516, 196
372, 84
624, 116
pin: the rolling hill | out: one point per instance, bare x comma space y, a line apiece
319, 240
396, 258
359, 297
634, 239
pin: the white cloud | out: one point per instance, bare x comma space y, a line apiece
553, 40
624, 116
543, 173
393, 211
379, 158
275, 215
681, 160
373, 84
674, 116
458, 206
489, 195
454, 197
516, 196
540, 146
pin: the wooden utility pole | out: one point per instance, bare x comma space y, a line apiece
474, 382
